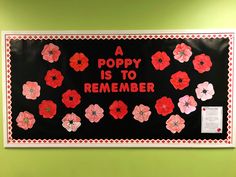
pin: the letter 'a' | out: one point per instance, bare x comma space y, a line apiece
118, 51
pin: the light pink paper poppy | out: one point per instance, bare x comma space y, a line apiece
175, 123
25, 120
51, 53
205, 91
94, 113
141, 113
187, 104
31, 90
182, 52
71, 122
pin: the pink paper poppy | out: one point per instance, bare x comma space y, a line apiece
182, 52
205, 91
160, 60
94, 113
31, 90
141, 113
187, 104
25, 120
175, 123
202, 63
71, 122
51, 53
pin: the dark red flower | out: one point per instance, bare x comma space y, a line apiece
164, 106
54, 78
118, 109
180, 80
160, 60
79, 62
202, 63
47, 109
71, 98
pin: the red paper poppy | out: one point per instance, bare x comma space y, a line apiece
164, 106
202, 63
160, 60
79, 62
47, 109
118, 109
54, 78
180, 80
71, 98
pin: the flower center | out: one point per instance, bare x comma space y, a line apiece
118, 110
180, 80
79, 62
175, 123
50, 52
94, 113
160, 60
70, 98
26, 120
54, 78
204, 91
186, 104
48, 109
201, 63
70, 121
181, 53
141, 113
31, 90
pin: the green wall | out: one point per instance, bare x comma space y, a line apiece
123, 14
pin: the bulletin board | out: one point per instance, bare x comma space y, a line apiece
118, 88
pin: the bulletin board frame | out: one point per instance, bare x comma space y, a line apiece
8, 120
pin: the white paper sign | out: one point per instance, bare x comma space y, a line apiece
212, 119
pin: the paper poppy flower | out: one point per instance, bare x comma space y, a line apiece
31, 90
164, 106
205, 91
202, 63
71, 98
175, 124
182, 52
79, 62
141, 113
54, 78
180, 80
47, 109
51, 53
94, 113
118, 109
25, 120
187, 104
160, 60
71, 122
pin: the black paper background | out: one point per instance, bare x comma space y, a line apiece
27, 65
